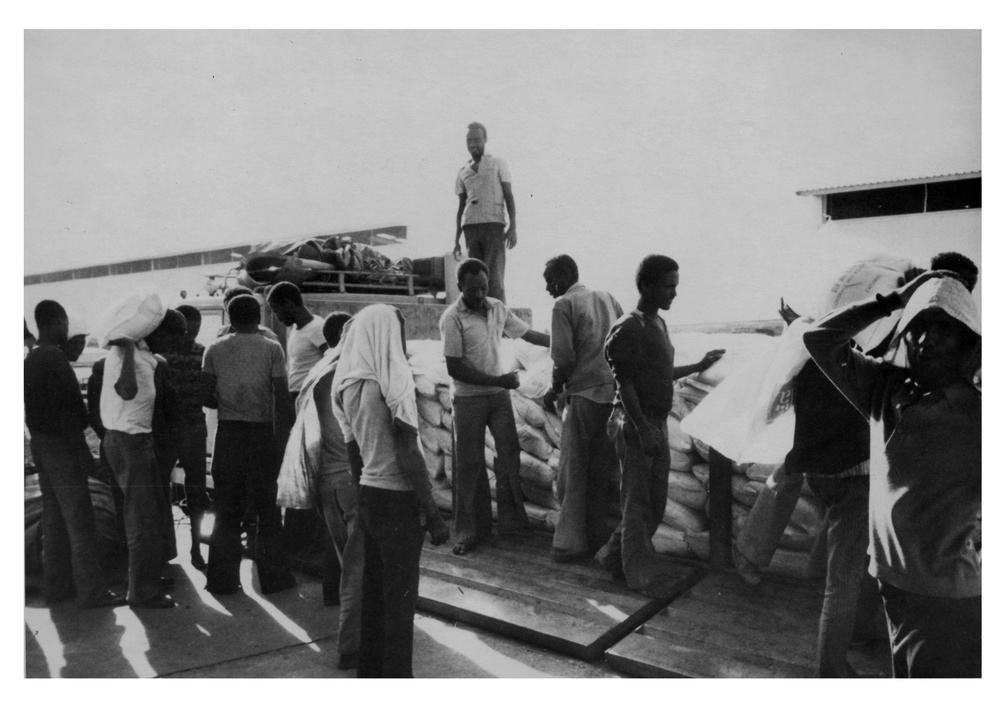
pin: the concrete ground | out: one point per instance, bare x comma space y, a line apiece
289, 634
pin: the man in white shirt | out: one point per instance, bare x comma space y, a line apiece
128, 398
305, 342
483, 188
471, 329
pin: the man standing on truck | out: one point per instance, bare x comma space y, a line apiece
641, 357
305, 343
471, 329
483, 187
56, 418
581, 320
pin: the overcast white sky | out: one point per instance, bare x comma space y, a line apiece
689, 143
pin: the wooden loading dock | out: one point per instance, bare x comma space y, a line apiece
711, 625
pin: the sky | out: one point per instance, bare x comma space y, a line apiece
620, 143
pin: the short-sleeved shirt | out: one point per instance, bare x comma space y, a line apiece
476, 340
184, 374
244, 366
132, 416
639, 352
484, 195
52, 400
265, 331
333, 450
304, 350
581, 320
366, 419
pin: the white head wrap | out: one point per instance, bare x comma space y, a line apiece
372, 348
947, 294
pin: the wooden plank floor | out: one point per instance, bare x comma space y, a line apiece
722, 627
514, 588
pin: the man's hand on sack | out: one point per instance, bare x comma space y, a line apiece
787, 313
710, 358
549, 401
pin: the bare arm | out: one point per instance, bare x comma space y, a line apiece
470, 375
354, 460
534, 337
710, 358
462, 197
508, 197
415, 471
284, 406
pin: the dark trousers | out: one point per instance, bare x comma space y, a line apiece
471, 490
246, 459
390, 524
69, 536
934, 636
339, 506
844, 598
585, 471
133, 462
643, 500
485, 242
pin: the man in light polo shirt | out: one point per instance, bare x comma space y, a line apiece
471, 329
305, 342
483, 187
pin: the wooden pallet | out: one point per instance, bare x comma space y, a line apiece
724, 628
513, 588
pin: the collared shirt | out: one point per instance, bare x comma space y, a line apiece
244, 366
639, 351
581, 320
365, 418
476, 340
484, 194
132, 416
52, 400
926, 465
304, 350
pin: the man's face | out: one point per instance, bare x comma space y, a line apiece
476, 143
194, 327
284, 311
62, 331
663, 291
474, 289
937, 346
74, 347
556, 282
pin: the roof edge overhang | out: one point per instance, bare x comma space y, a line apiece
890, 184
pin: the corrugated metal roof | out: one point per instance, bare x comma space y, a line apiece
887, 184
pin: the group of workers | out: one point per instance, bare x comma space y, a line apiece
337, 407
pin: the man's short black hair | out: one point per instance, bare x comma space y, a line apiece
49, 312
233, 292
564, 265
244, 310
956, 262
476, 125
471, 266
652, 267
333, 326
285, 291
190, 312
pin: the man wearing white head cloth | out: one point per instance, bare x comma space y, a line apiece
374, 400
926, 467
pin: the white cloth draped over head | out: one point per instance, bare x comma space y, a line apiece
947, 294
372, 348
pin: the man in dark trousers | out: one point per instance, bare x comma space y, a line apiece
56, 418
641, 357
483, 188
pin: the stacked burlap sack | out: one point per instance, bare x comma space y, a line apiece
685, 522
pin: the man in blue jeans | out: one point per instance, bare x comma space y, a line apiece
471, 329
